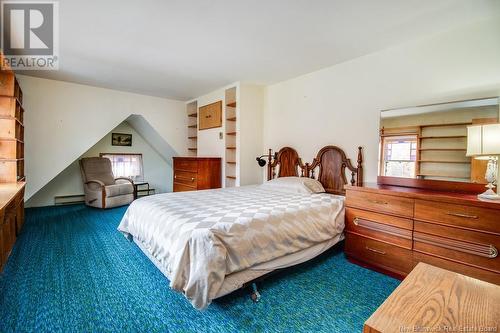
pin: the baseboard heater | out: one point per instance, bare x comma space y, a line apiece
69, 199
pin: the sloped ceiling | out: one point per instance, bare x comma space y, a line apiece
183, 49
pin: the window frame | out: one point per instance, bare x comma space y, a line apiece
383, 151
127, 154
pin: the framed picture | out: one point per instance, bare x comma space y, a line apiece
121, 139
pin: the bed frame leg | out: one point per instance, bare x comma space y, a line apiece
255, 293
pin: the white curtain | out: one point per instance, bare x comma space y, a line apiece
126, 165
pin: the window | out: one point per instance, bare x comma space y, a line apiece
126, 165
399, 156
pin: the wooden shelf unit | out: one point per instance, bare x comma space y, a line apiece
231, 138
192, 115
11, 162
441, 151
11, 129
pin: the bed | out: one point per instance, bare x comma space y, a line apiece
212, 242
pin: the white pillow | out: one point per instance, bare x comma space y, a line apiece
296, 185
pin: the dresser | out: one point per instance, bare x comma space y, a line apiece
391, 229
197, 173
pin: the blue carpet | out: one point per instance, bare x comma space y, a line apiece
71, 271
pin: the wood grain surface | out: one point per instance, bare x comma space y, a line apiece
432, 299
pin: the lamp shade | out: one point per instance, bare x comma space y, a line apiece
483, 140
491, 139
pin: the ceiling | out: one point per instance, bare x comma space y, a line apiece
185, 48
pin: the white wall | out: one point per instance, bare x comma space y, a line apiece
251, 109
63, 120
69, 182
340, 105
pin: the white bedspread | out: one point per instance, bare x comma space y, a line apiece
200, 237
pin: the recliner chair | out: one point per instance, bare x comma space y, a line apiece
102, 189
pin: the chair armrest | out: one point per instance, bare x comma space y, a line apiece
95, 181
125, 178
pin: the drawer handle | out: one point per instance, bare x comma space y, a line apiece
378, 202
493, 252
378, 227
482, 250
375, 250
465, 216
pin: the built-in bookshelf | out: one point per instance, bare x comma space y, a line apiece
442, 150
11, 129
231, 128
192, 115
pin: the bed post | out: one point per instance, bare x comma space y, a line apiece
359, 176
269, 165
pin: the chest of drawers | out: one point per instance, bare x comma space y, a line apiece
392, 229
196, 173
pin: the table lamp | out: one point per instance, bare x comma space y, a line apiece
483, 143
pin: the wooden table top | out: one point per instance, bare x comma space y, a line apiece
432, 299
8, 191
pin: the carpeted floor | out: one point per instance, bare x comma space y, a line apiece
71, 271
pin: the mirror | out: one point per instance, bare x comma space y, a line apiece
430, 141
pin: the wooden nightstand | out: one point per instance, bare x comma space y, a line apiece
432, 299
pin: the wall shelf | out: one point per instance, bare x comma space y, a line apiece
447, 125
192, 120
441, 175
231, 139
445, 137
442, 149
437, 161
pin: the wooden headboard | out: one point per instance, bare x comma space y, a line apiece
332, 162
328, 167
288, 163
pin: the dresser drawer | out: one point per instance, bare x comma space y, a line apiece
383, 255
476, 273
380, 227
185, 164
186, 178
380, 203
481, 255
470, 217
183, 188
